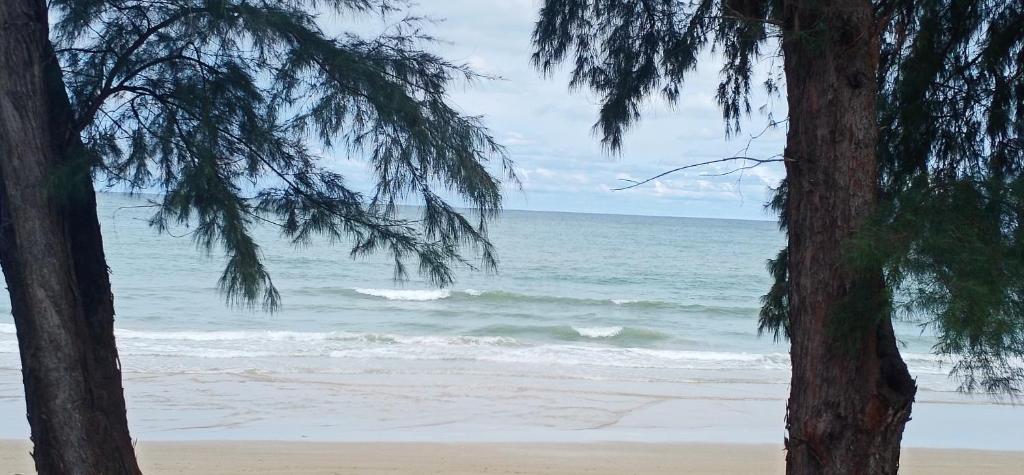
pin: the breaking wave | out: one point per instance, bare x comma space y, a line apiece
505, 297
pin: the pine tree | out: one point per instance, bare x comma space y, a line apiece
903, 196
220, 106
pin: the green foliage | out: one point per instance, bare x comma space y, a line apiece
951, 112
958, 266
223, 104
629, 50
774, 315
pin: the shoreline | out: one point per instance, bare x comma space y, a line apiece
383, 401
272, 457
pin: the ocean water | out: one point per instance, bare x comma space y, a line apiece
596, 327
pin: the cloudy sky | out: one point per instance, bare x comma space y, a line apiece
548, 129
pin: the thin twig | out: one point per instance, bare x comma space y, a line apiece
759, 161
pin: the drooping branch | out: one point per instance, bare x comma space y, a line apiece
758, 161
107, 88
199, 100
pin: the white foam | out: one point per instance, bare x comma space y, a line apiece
623, 301
218, 353
598, 332
575, 355
355, 345
473, 292
456, 340
281, 346
409, 295
247, 335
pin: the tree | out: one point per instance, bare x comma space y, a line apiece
219, 105
903, 191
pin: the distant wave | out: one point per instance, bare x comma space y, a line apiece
401, 294
501, 296
598, 332
619, 335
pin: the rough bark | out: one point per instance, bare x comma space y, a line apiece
52, 256
851, 392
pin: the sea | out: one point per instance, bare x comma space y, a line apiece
594, 328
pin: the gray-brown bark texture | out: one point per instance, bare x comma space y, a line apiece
851, 393
52, 256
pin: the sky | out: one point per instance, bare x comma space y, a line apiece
547, 129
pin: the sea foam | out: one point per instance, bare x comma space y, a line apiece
482, 348
598, 332
403, 294
283, 346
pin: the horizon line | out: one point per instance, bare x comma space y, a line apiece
597, 213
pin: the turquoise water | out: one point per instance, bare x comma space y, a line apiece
594, 327
592, 280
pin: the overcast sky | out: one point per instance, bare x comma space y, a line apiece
548, 129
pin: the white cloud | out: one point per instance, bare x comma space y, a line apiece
548, 130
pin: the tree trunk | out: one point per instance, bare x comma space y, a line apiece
52, 256
851, 392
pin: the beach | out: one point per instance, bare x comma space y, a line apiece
577, 357
227, 458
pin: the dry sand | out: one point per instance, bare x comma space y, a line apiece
223, 457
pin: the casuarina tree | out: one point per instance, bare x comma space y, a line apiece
903, 195
223, 107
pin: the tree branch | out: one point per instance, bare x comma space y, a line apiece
107, 88
759, 161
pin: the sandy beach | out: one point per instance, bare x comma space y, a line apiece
238, 457
576, 359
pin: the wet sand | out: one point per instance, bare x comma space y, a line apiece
238, 457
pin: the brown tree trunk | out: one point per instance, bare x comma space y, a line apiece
52, 256
851, 392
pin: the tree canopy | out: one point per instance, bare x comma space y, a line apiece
226, 107
951, 111
952, 156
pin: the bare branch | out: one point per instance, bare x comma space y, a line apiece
758, 161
